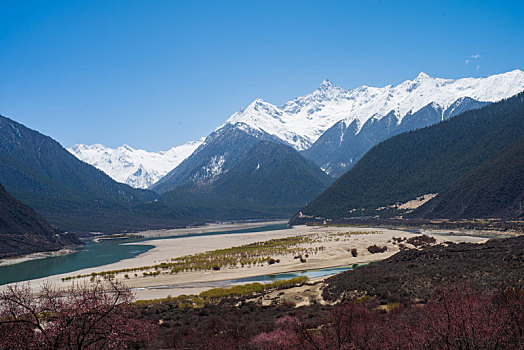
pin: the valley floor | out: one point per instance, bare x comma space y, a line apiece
326, 246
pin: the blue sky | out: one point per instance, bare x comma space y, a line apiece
155, 74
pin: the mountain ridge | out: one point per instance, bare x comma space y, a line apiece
344, 147
217, 154
302, 120
70, 193
353, 116
341, 146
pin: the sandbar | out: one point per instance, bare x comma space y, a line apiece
336, 243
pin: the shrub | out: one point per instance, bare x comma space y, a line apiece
453, 319
250, 288
373, 249
422, 240
272, 261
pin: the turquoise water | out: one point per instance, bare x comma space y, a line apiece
96, 254
288, 275
91, 255
329, 271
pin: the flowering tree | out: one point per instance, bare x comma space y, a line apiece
87, 316
455, 318
462, 319
284, 335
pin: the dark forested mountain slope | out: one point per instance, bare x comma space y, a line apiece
493, 189
23, 231
270, 179
70, 193
422, 161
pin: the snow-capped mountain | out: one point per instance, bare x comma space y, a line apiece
302, 121
335, 127
135, 167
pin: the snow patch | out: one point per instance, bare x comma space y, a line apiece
211, 171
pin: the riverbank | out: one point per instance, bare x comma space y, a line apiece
37, 256
336, 244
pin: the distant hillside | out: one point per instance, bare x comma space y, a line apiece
493, 189
70, 193
23, 231
423, 161
270, 179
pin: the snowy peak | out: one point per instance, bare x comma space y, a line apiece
263, 116
326, 90
135, 167
127, 148
422, 76
326, 84
301, 121
260, 106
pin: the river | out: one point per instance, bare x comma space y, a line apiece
95, 254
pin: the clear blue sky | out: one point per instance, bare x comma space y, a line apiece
154, 74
